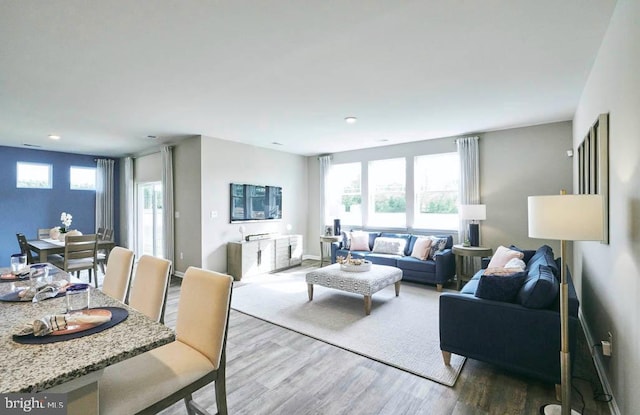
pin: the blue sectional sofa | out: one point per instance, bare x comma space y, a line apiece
521, 335
429, 271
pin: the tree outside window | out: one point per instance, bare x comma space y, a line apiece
437, 178
387, 193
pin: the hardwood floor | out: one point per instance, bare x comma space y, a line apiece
272, 370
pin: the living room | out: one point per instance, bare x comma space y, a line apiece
516, 161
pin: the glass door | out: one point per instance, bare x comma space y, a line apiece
150, 232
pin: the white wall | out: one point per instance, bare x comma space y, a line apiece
224, 162
610, 286
514, 164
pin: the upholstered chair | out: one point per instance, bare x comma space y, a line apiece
118, 273
148, 292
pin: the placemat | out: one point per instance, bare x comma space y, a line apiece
118, 315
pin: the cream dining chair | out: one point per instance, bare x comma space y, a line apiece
148, 291
118, 273
152, 381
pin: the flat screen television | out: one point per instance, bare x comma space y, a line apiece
250, 202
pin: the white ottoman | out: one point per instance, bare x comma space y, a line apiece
365, 283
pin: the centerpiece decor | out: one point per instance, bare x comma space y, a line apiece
66, 219
353, 264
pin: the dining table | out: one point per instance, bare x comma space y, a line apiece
48, 246
73, 366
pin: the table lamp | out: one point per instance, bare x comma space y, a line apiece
565, 218
473, 213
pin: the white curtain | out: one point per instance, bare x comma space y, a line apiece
104, 194
469, 177
167, 201
129, 213
325, 165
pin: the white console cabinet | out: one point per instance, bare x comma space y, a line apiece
264, 255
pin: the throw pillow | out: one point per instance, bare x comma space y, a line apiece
500, 288
346, 240
502, 272
502, 256
394, 246
516, 263
437, 245
359, 241
539, 289
422, 248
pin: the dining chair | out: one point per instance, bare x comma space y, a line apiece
25, 250
43, 233
148, 293
118, 273
80, 254
103, 235
152, 381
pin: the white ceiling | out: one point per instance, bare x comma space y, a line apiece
106, 74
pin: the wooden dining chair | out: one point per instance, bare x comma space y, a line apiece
152, 381
103, 235
25, 250
148, 293
118, 273
43, 233
80, 254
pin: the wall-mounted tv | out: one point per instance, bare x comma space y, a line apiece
251, 202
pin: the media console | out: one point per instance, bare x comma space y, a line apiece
263, 255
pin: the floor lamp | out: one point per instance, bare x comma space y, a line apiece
565, 218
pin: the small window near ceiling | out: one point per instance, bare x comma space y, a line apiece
34, 175
82, 178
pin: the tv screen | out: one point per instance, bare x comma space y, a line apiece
251, 202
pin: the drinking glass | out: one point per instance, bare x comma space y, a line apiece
78, 297
18, 262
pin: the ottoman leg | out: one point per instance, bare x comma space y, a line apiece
367, 304
310, 291
397, 284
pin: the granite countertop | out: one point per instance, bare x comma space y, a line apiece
33, 368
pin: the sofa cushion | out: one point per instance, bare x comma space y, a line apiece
382, 259
359, 241
543, 256
500, 287
414, 264
405, 236
540, 288
421, 248
389, 245
502, 256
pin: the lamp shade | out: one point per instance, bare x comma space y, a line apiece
566, 217
473, 212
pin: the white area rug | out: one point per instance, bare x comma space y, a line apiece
401, 331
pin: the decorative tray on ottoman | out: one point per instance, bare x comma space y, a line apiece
365, 266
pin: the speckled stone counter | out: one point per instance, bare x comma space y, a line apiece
33, 368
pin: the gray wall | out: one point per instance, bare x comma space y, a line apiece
187, 202
224, 162
514, 164
610, 283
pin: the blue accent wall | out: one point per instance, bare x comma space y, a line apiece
26, 210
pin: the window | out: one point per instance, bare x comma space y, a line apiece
34, 175
82, 178
344, 194
437, 177
387, 202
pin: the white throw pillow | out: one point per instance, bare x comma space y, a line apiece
394, 246
502, 256
359, 241
421, 248
516, 263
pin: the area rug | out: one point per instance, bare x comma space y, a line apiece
400, 331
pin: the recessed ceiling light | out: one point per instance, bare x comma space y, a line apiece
351, 120
54, 136
151, 137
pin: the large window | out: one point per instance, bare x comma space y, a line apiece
34, 175
436, 191
82, 178
344, 193
387, 202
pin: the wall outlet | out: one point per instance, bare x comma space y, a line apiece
606, 348
181, 255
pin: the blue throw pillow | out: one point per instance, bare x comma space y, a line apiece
539, 289
500, 288
543, 256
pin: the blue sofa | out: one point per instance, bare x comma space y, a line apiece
430, 271
521, 336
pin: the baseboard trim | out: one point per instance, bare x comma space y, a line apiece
314, 257
179, 274
599, 364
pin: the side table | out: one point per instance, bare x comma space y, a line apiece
461, 251
326, 239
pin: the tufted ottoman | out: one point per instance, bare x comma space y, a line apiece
365, 283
